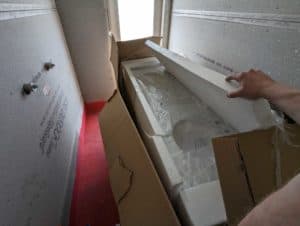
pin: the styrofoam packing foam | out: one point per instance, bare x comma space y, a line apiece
187, 124
177, 129
211, 87
202, 205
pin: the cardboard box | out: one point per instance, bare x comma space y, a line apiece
247, 163
253, 165
138, 191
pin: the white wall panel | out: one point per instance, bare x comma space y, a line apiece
239, 37
28, 1
258, 6
38, 132
19, 9
86, 27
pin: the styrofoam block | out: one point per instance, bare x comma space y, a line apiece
150, 129
164, 163
211, 87
162, 148
141, 107
202, 205
191, 127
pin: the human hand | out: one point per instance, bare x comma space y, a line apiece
253, 84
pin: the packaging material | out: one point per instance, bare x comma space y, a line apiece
202, 204
165, 110
136, 186
177, 129
138, 191
129, 50
211, 87
250, 165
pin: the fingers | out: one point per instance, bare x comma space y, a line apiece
237, 93
232, 78
237, 77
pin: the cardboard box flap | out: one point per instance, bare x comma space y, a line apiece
236, 193
136, 49
135, 183
252, 165
259, 160
128, 50
121, 179
290, 154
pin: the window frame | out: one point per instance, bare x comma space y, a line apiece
161, 23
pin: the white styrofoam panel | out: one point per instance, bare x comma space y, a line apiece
86, 29
227, 46
146, 118
266, 6
202, 205
150, 128
211, 87
164, 163
33, 173
197, 205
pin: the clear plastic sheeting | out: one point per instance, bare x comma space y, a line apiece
188, 124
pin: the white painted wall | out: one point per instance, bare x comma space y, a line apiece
238, 35
86, 28
39, 132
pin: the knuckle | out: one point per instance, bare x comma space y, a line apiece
242, 75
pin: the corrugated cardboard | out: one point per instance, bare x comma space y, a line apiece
247, 166
138, 191
129, 50
133, 50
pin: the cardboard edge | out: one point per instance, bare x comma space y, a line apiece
125, 186
233, 180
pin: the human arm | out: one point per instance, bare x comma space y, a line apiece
256, 84
280, 209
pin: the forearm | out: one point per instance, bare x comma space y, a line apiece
285, 98
280, 209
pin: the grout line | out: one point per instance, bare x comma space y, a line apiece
21, 14
289, 21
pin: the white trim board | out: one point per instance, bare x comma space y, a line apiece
260, 19
211, 88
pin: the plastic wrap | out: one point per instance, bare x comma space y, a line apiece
188, 125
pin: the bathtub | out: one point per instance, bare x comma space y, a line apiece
177, 125
194, 195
